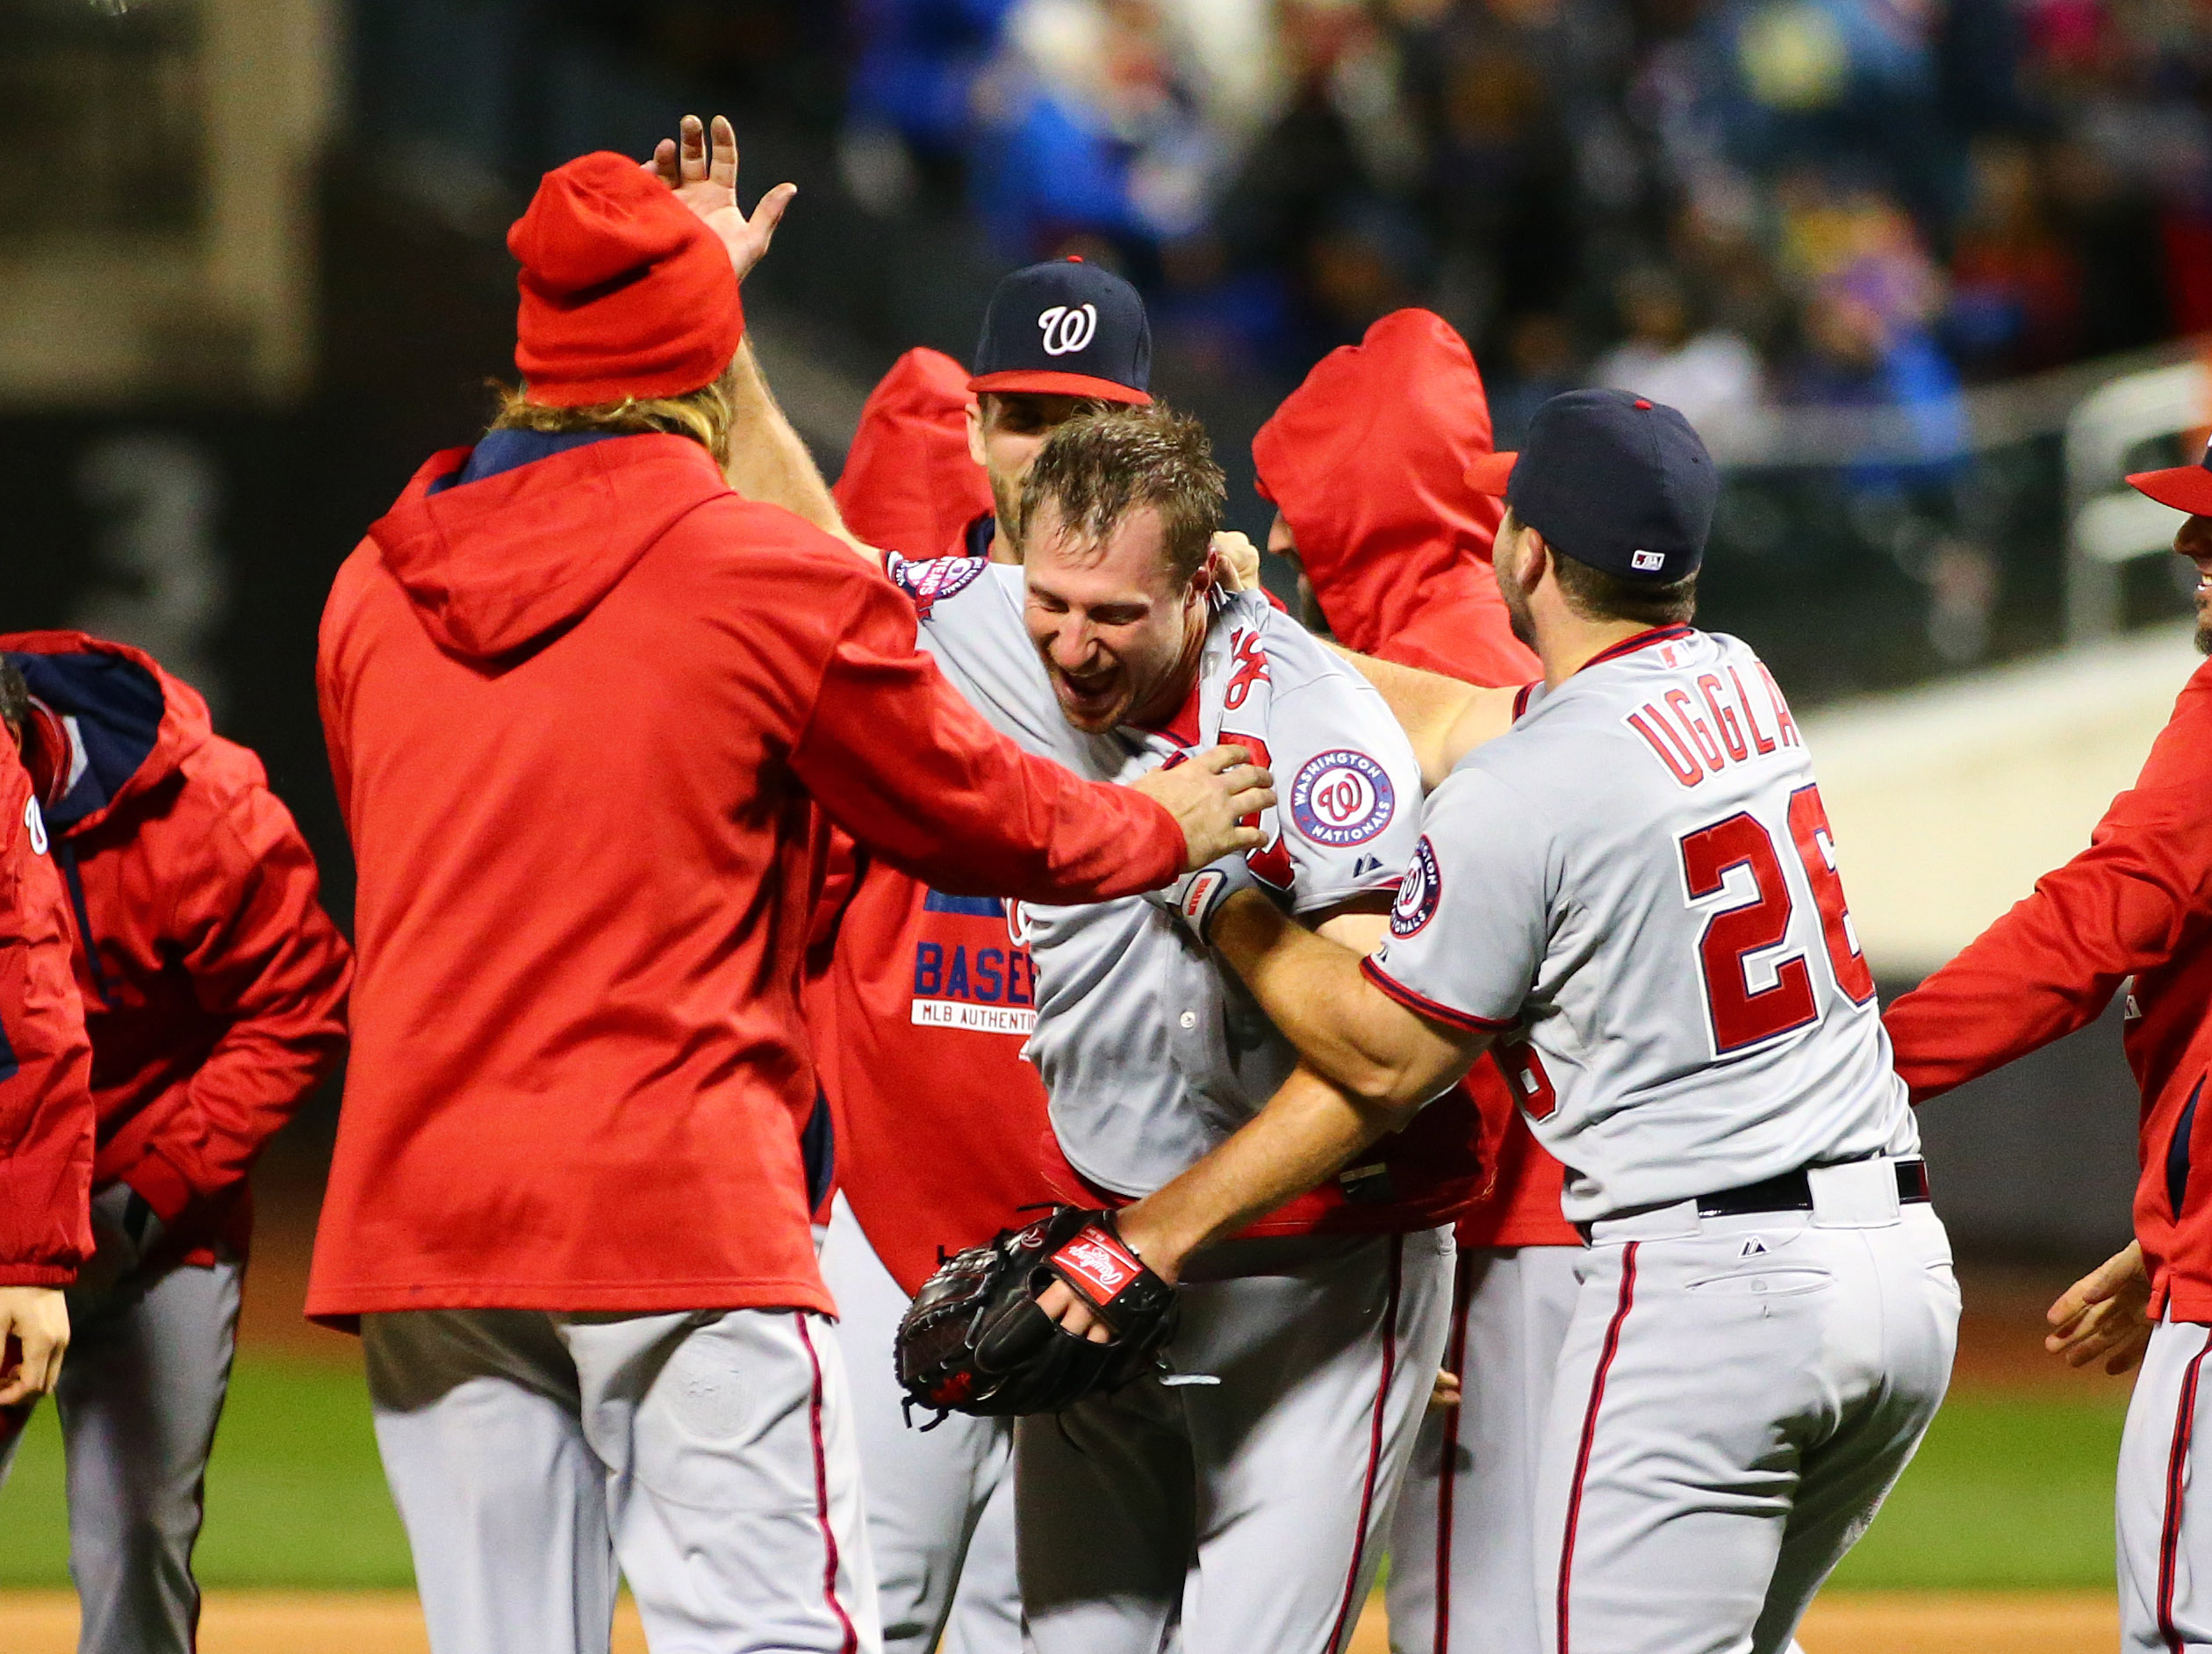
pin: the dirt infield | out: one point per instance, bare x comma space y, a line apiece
389, 1622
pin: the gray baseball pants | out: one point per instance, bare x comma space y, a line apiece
706, 1457
1735, 1398
940, 1502
142, 1386
1249, 1513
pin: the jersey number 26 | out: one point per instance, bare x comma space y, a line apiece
1744, 1016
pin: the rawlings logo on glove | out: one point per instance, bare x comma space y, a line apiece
975, 1340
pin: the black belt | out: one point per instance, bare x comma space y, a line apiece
1792, 1192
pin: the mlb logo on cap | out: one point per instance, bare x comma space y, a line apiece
1617, 481
1065, 328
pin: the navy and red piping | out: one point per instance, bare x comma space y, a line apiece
1589, 1432
2177, 1475
1344, 1618
1429, 1008
851, 1645
1642, 640
1447, 1458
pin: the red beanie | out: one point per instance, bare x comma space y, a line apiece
625, 294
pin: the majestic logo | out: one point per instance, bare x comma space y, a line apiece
1067, 328
1099, 1259
928, 582
36, 822
1342, 798
1646, 562
1418, 896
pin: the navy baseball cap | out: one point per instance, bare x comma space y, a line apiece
1613, 480
2184, 487
1065, 328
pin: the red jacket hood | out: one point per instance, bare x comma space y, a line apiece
1367, 463
495, 564
909, 482
131, 724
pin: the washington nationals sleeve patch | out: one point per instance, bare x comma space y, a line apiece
1418, 894
1341, 798
929, 583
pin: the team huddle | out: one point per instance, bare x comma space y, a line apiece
932, 1068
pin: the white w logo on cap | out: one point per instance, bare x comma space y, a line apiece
1068, 330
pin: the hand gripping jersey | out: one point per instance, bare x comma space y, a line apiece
1636, 888
1151, 1053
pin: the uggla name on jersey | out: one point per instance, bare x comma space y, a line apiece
1702, 728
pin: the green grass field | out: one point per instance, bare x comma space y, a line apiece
2009, 1492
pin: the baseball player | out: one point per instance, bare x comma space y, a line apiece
580, 696
45, 1101
1365, 464
2128, 915
214, 990
1631, 893
1238, 1502
928, 996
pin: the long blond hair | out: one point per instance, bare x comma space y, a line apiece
704, 415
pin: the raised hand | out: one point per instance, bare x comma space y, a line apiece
1239, 561
706, 182
2102, 1314
1210, 797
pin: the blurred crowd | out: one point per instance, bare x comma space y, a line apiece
1725, 204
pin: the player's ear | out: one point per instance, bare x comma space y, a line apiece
1535, 559
975, 428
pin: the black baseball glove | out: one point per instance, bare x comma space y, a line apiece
975, 1342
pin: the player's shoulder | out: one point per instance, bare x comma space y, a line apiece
1303, 670
937, 587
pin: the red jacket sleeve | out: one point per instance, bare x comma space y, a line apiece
260, 952
45, 1063
2050, 965
904, 764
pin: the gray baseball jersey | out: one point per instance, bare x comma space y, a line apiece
1636, 886
1150, 1051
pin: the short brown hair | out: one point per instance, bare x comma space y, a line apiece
705, 415
1099, 467
1595, 595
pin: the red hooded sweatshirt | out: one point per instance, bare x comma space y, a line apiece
1366, 461
214, 986
45, 1063
2134, 909
579, 710
921, 999
909, 484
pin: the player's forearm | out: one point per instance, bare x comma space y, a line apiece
1307, 1132
1311, 989
769, 462
2044, 969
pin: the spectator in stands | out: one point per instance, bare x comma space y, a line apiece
1709, 375
2015, 301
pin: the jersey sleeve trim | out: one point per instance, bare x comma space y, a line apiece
1429, 1008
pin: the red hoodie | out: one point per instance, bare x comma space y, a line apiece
1366, 461
2137, 905
910, 483
214, 985
578, 711
45, 1063
923, 999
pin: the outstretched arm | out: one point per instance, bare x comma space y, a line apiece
1444, 718
1341, 1099
768, 460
